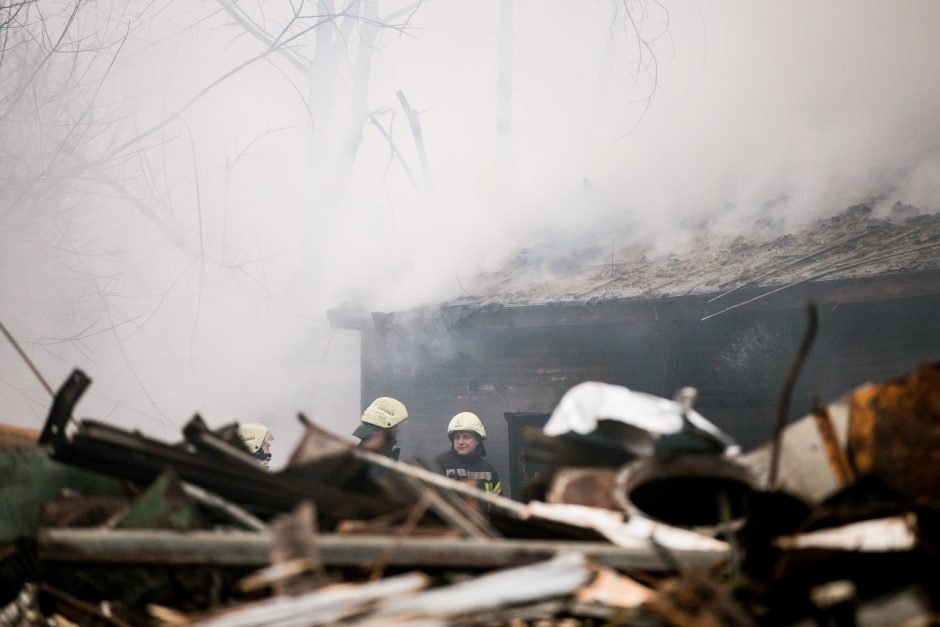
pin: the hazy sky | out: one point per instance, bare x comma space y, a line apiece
201, 285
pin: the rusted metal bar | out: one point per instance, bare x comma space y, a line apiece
838, 460
243, 548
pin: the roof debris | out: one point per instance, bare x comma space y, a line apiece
854, 243
131, 530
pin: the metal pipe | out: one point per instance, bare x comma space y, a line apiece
252, 549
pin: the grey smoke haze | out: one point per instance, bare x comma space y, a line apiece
214, 300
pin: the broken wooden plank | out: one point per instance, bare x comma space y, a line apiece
881, 535
326, 606
560, 576
449, 513
503, 505
295, 537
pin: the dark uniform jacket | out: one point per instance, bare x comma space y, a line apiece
472, 466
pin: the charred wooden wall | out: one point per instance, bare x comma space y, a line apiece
523, 359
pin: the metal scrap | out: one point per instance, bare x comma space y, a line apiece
897, 533
894, 432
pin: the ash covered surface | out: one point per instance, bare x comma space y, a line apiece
855, 243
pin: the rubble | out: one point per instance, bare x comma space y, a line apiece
103, 526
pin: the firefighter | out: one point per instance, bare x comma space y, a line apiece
378, 427
257, 439
465, 459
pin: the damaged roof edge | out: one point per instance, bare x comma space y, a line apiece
688, 307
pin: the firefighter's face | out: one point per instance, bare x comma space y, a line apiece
465, 442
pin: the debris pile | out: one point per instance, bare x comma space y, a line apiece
652, 516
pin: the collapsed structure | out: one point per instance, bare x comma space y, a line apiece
834, 519
725, 316
629, 508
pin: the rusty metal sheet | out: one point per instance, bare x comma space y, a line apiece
894, 432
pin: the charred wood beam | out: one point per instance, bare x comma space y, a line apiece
134, 457
252, 549
65, 400
198, 434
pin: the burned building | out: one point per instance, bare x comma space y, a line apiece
726, 318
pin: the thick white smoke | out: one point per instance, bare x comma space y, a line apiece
212, 297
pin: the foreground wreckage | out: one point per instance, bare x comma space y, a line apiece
652, 516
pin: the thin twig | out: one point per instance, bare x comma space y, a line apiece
395, 153
29, 362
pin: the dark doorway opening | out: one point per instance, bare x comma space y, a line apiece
522, 469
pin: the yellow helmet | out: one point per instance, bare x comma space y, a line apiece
467, 421
385, 412
252, 435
